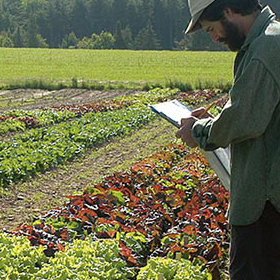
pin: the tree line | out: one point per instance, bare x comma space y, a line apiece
101, 24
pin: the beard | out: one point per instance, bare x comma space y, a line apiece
233, 38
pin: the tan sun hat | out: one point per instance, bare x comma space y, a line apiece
196, 9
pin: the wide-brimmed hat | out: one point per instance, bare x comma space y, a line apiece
196, 9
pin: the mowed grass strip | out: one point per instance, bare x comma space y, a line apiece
62, 65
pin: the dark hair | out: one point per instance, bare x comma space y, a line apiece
215, 11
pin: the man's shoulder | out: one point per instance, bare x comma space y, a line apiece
267, 44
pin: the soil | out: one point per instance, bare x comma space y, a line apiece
33, 98
26, 200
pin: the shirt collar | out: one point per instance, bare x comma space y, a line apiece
258, 26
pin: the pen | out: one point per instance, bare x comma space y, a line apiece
206, 110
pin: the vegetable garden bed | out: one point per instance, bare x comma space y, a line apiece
164, 218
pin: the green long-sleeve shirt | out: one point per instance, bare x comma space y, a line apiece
250, 123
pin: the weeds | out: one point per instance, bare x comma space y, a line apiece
115, 85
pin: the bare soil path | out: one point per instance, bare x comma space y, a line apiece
34, 98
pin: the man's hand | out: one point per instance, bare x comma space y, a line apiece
185, 132
201, 113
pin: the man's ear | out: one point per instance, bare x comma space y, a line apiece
229, 13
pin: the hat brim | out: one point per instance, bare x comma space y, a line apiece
194, 23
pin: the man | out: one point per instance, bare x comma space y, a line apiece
250, 125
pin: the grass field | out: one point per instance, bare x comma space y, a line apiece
116, 67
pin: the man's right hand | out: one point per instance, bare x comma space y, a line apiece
200, 111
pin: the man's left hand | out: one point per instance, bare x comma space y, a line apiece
185, 132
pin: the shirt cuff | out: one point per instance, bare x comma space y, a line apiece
200, 132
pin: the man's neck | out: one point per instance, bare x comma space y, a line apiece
246, 22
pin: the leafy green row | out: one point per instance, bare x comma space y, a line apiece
11, 125
97, 260
20, 120
85, 259
43, 148
171, 269
155, 95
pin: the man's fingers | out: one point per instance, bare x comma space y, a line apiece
184, 121
178, 133
197, 112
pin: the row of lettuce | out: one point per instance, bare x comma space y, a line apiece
21, 120
65, 132
162, 219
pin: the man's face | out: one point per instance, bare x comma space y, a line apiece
226, 32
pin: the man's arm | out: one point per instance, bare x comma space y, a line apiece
253, 99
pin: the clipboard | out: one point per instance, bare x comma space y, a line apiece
219, 159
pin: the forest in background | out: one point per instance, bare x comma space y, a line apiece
102, 24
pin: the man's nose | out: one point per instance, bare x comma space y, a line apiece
215, 38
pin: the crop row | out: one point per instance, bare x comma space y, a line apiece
21, 119
169, 205
84, 259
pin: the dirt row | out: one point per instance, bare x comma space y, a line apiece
34, 98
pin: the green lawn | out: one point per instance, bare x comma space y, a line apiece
120, 66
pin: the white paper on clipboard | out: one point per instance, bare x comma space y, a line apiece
219, 159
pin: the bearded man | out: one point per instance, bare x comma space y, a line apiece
250, 124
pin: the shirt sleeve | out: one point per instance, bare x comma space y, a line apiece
248, 112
